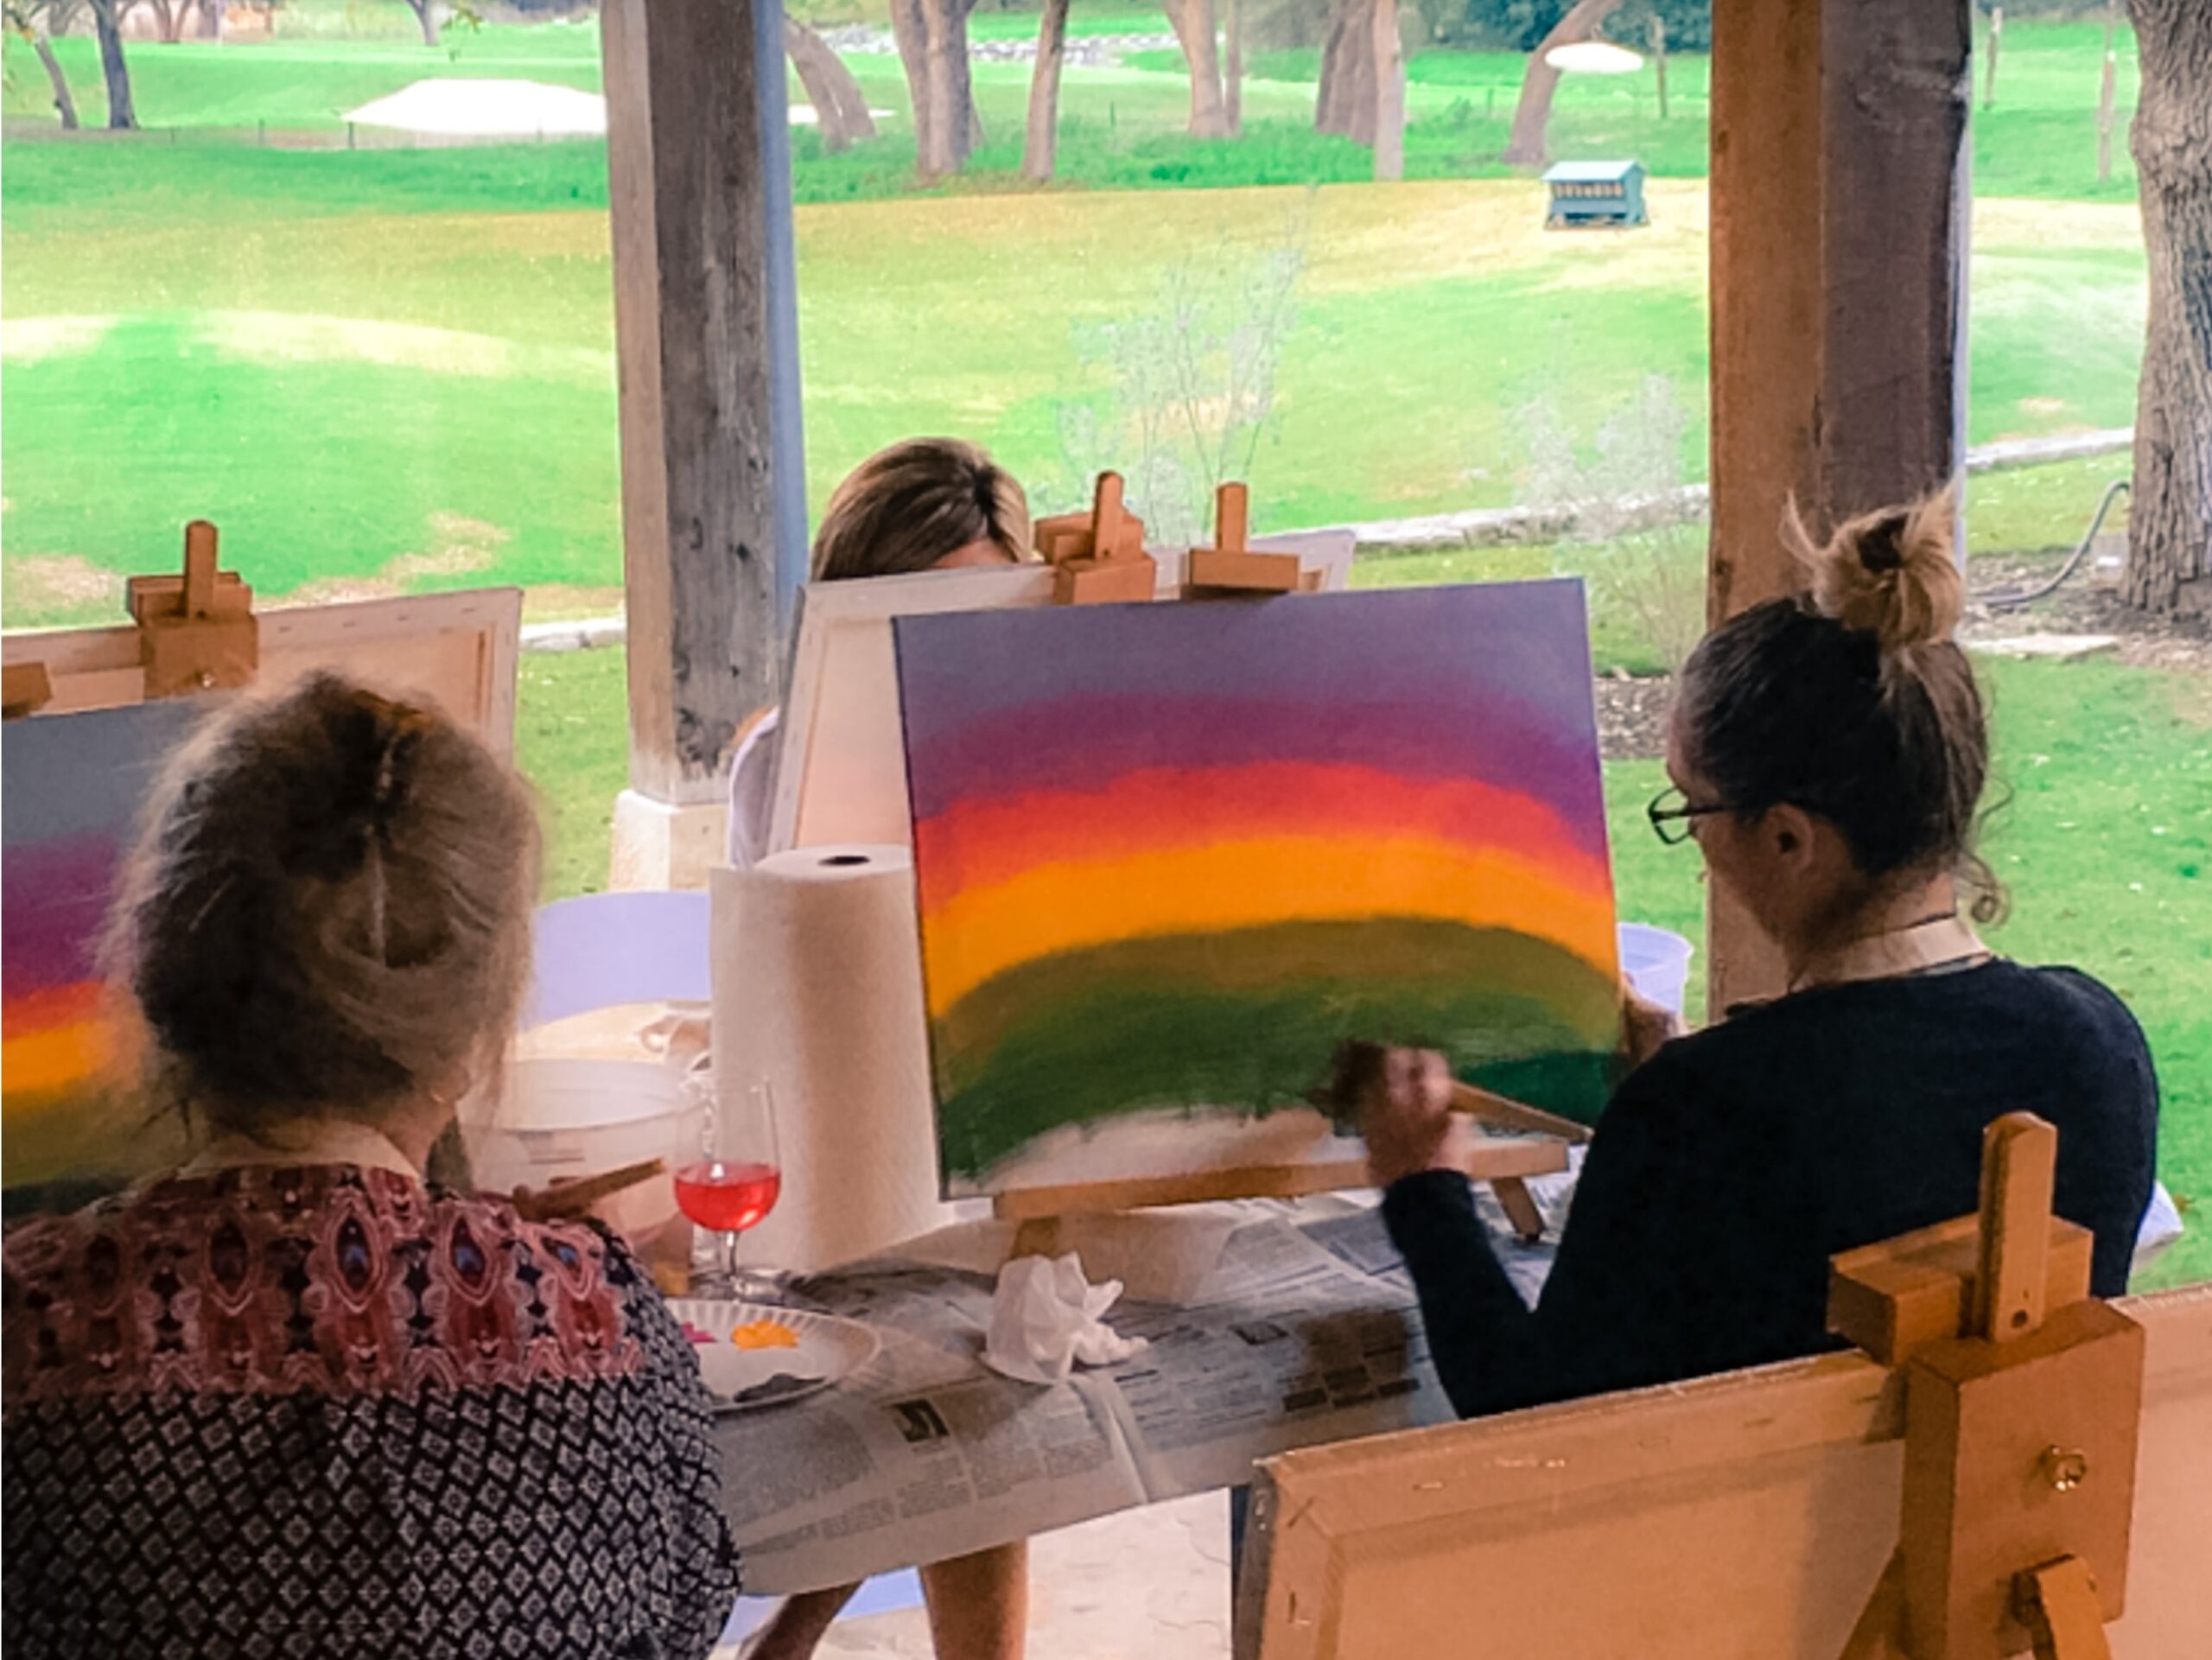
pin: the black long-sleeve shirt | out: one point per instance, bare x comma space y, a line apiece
1730, 1167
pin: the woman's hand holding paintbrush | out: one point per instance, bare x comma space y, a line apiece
1404, 1102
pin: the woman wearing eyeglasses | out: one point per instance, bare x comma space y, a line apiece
1828, 754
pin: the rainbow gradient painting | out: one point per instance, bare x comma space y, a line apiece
1167, 856
71, 790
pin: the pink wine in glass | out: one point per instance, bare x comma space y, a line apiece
728, 1197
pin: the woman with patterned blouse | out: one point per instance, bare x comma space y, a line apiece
290, 1400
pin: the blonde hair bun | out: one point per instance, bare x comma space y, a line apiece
1892, 573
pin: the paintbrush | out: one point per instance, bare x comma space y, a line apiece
572, 1199
1357, 1069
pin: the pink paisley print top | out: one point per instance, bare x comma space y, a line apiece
359, 1416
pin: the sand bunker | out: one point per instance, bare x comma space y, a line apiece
485, 109
460, 108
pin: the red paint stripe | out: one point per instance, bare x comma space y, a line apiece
979, 843
50, 1006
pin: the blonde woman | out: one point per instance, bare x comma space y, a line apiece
293, 1399
928, 504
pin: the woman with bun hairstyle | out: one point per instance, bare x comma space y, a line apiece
294, 1399
1828, 754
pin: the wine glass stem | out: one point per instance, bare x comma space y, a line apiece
729, 1237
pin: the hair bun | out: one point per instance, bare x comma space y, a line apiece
1892, 573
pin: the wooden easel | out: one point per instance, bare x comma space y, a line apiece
1098, 557
1227, 567
197, 631
1538, 1148
2023, 1396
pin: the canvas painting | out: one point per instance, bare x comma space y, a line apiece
1168, 856
69, 804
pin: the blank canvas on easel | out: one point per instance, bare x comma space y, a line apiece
1167, 856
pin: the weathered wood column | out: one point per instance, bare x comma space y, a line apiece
714, 514
1840, 193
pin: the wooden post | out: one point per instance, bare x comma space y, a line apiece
714, 517
1840, 203
1659, 59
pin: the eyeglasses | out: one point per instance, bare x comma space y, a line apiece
1674, 816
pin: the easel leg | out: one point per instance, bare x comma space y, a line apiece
1520, 1207
2058, 1603
1878, 1636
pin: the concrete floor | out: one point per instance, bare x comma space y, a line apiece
1146, 1585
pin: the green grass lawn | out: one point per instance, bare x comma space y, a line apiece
392, 370
342, 358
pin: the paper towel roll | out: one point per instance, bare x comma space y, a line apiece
818, 988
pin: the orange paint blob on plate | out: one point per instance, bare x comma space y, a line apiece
765, 1334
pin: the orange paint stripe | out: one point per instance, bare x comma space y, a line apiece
1076, 906
56, 1057
979, 843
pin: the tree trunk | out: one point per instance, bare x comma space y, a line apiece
1389, 94
168, 22
2170, 518
64, 105
1232, 70
426, 13
121, 114
1345, 102
1194, 21
840, 106
1039, 149
210, 19
1533, 113
954, 127
910, 30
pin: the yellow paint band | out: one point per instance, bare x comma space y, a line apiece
1071, 908
54, 1059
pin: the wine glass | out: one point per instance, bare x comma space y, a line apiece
729, 1174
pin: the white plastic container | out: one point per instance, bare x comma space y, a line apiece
562, 1118
1655, 962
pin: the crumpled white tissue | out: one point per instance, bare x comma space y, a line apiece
1044, 1318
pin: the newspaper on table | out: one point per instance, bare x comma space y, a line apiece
1305, 1331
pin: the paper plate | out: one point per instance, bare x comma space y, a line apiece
753, 1355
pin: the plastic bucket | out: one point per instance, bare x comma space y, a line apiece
564, 1118
1655, 962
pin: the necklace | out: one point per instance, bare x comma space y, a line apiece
1942, 941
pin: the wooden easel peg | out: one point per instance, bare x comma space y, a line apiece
196, 632
2021, 1423
1098, 557
1227, 567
